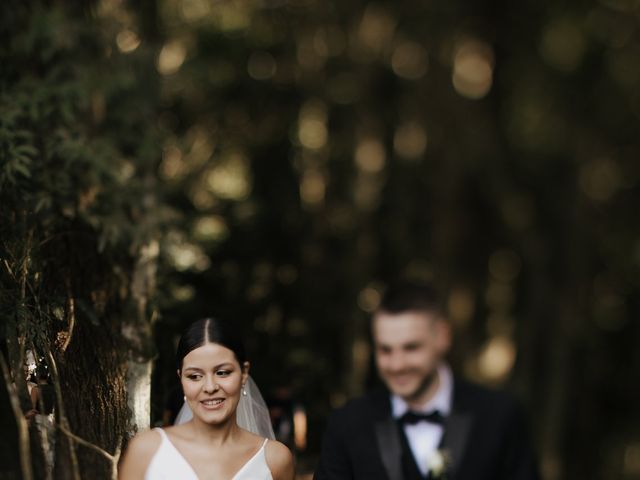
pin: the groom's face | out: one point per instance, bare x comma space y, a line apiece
409, 346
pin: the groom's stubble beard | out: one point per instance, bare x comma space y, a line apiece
427, 381
424, 386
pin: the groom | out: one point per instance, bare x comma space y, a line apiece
427, 423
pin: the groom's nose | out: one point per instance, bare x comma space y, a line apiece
395, 362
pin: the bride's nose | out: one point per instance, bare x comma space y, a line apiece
210, 385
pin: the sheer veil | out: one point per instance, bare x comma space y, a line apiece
252, 413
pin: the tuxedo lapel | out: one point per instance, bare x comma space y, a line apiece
457, 429
389, 446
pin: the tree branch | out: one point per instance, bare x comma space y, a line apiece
23, 431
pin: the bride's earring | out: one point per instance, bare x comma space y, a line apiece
244, 391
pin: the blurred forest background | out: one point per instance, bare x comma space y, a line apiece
279, 161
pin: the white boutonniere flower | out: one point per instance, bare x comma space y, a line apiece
438, 464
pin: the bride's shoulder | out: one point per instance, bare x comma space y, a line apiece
140, 451
145, 442
279, 460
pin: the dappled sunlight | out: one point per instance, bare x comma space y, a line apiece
496, 359
183, 293
211, 228
505, 265
312, 187
370, 156
171, 57
375, 32
370, 159
261, 66
461, 306
369, 298
172, 165
410, 140
600, 179
230, 178
127, 41
563, 44
473, 68
185, 255
300, 428
312, 128
281, 162
632, 459
194, 10
409, 60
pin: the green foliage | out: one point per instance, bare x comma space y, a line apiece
77, 201
305, 153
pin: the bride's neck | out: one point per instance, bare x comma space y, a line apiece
216, 434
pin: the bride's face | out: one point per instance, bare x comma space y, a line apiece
212, 382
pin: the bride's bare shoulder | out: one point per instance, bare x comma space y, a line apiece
138, 455
149, 440
279, 460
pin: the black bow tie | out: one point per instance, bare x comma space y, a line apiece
411, 418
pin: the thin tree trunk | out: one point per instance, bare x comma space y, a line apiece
23, 431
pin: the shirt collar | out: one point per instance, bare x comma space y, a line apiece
441, 401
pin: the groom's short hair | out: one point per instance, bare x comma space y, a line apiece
409, 295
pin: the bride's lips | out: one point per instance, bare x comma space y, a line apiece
212, 403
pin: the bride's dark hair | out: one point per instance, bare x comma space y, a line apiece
209, 330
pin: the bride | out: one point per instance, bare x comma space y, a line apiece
221, 437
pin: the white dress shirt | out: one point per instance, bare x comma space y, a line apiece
424, 437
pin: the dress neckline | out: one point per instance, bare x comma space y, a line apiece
166, 438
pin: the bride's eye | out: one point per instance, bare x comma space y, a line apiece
223, 373
194, 376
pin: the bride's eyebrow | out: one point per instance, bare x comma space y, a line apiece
216, 367
191, 368
223, 365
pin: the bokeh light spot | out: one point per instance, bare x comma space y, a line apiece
210, 228
127, 41
473, 69
370, 155
171, 57
193, 10
562, 45
369, 298
261, 65
172, 165
497, 358
312, 187
410, 140
376, 28
409, 60
312, 129
230, 179
504, 265
461, 306
600, 179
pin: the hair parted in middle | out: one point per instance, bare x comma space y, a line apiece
209, 330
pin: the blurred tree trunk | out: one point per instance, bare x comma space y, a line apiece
106, 323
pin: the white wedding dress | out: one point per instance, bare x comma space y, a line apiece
169, 464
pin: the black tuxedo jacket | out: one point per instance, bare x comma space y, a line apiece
485, 437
